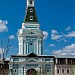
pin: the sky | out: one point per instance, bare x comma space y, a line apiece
56, 18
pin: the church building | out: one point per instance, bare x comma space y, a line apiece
30, 59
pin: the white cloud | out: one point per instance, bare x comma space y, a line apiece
46, 50
51, 45
3, 26
62, 39
45, 33
54, 32
12, 37
62, 36
70, 34
56, 52
68, 28
55, 35
68, 50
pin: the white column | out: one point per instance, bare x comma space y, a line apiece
34, 47
37, 47
40, 47
19, 70
55, 68
56, 61
25, 46
52, 68
19, 47
66, 61
41, 69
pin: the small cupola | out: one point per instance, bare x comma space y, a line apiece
30, 3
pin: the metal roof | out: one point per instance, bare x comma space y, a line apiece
64, 56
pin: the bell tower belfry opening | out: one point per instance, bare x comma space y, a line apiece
30, 36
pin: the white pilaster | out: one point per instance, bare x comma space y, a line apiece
52, 69
40, 47
24, 47
27, 48
37, 47
55, 72
66, 61
56, 61
34, 47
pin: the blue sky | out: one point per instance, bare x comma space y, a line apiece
56, 18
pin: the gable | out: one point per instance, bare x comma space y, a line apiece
31, 55
32, 60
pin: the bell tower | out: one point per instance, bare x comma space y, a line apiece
30, 36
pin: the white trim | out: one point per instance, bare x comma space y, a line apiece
32, 59
37, 47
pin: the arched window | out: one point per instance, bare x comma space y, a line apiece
31, 47
31, 72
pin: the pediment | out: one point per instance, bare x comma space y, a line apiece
32, 60
31, 55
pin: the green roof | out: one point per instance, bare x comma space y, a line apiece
28, 14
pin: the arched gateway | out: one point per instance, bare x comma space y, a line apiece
31, 72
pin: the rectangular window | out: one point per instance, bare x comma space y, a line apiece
47, 59
69, 61
61, 61
68, 71
57, 70
63, 71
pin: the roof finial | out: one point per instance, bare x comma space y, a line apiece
30, 3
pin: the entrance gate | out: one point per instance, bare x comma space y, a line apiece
31, 72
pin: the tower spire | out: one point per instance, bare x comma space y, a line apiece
30, 36
30, 12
